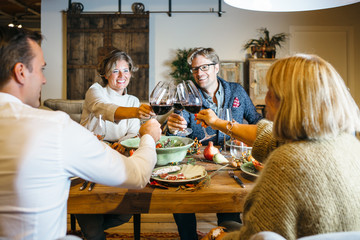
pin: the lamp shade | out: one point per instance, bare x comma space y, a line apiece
288, 5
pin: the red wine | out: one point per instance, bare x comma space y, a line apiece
178, 106
161, 109
192, 108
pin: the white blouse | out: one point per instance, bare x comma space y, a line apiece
105, 101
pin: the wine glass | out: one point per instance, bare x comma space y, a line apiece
194, 104
99, 128
225, 114
181, 97
162, 98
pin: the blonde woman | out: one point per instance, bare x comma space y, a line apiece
310, 183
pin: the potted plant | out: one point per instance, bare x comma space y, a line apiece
265, 46
181, 69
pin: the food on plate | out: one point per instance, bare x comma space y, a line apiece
166, 170
210, 151
219, 158
131, 152
192, 171
159, 145
117, 146
185, 172
258, 165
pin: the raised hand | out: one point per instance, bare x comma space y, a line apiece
151, 127
145, 112
176, 123
207, 117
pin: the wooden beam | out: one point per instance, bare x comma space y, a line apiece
25, 6
5, 14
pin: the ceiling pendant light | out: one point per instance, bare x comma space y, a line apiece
288, 5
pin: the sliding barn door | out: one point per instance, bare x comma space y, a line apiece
91, 36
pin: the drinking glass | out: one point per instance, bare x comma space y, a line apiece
99, 128
225, 114
239, 150
180, 99
162, 98
194, 104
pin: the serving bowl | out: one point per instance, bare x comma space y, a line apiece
174, 152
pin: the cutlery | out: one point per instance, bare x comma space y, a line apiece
91, 186
84, 185
219, 169
237, 179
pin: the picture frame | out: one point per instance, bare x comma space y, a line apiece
232, 71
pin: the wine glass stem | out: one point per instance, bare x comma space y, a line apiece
224, 143
206, 134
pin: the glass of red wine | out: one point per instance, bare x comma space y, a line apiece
180, 99
194, 104
162, 98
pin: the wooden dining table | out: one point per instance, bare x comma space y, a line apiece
219, 194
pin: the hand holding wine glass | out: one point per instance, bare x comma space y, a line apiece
194, 104
180, 99
161, 98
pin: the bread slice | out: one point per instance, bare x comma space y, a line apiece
192, 171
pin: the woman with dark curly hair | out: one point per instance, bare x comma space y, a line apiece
120, 110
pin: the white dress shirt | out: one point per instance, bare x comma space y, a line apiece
105, 101
39, 151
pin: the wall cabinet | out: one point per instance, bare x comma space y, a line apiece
256, 78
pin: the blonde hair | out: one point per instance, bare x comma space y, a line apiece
314, 101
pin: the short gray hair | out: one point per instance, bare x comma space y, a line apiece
209, 53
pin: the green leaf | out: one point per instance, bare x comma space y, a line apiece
181, 69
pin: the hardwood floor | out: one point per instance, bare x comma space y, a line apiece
162, 223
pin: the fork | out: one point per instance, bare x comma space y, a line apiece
237, 179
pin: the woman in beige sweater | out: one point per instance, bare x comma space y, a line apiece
310, 183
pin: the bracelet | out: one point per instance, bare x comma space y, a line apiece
229, 127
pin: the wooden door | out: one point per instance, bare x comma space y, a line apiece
91, 36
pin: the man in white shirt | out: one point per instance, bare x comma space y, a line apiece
41, 150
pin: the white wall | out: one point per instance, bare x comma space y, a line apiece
225, 34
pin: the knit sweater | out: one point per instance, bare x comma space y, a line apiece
306, 188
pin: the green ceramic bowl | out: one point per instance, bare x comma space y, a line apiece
175, 153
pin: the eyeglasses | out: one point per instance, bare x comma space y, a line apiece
203, 68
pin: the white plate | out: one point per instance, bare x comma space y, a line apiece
157, 178
246, 168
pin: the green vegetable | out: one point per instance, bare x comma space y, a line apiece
219, 158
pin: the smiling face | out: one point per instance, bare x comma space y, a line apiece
119, 77
207, 80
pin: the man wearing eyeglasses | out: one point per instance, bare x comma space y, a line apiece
216, 93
